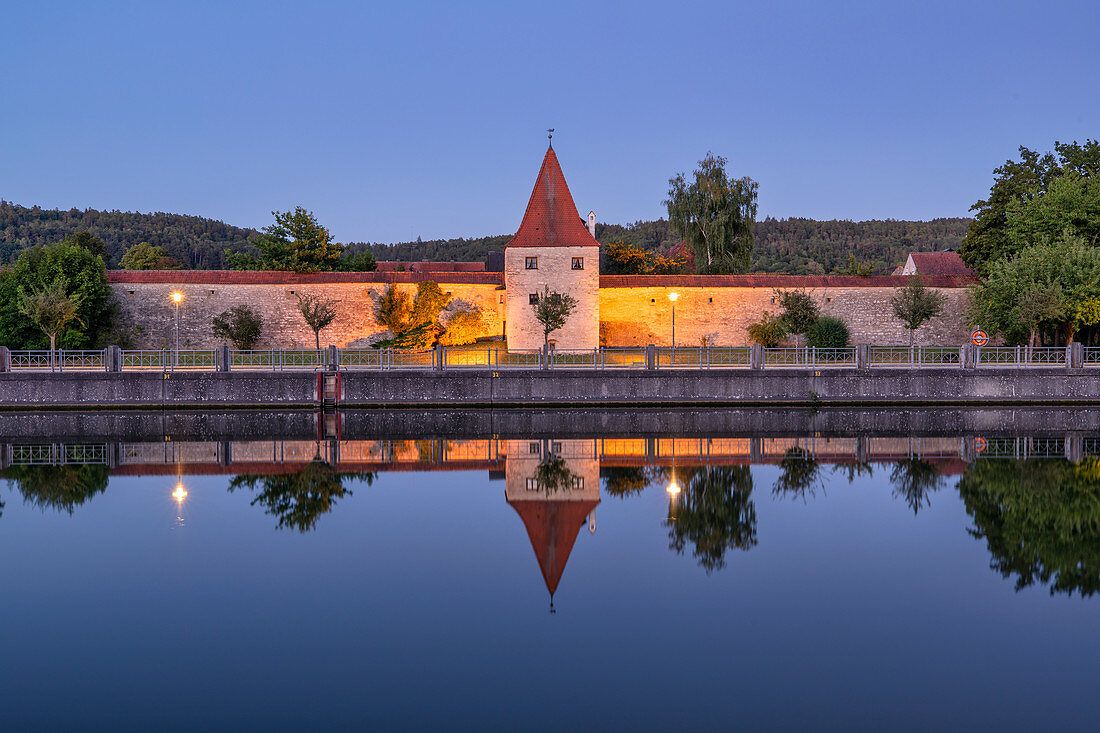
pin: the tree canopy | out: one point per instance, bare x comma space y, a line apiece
915, 304
715, 513
62, 267
146, 256
714, 214
552, 311
296, 242
1018, 211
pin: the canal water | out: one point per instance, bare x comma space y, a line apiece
547, 582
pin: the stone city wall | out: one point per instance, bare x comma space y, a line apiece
146, 305
636, 310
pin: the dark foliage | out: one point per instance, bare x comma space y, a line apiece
827, 332
715, 512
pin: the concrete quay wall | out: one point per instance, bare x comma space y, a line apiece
771, 387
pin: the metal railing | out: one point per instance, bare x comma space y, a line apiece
169, 359
810, 356
702, 357
386, 358
276, 359
62, 360
493, 357
915, 356
1021, 355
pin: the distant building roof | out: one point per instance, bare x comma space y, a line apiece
935, 263
551, 219
270, 277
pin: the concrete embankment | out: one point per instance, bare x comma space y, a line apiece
771, 387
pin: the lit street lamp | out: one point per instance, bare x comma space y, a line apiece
177, 297
673, 297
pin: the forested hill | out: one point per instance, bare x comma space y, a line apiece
797, 246
197, 242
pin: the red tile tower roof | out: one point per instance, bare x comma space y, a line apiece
551, 219
553, 527
940, 263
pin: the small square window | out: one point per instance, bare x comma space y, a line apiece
533, 449
578, 263
532, 263
578, 482
532, 484
501, 298
211, 292
828, 300
710, 300
533, 298
555, 447
652, 300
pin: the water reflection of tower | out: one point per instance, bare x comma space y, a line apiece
554, 486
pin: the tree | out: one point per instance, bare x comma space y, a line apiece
463, 327
827, 332
628, 259
623, 481
801, 474
799, 310
857, 267
318, 313
86, 240
361, 261
769, 331
715, 512
1050, 288
146, 256
296, 242
429, 302
38, 268
552, 310
394, 307
714, 214
914, 304
61, 488
914, 480
51, 309
1015, 185
240, 326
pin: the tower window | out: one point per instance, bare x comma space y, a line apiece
578, 263
532, 263
578, 482
533, 298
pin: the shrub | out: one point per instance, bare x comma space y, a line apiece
393, 309
799, 310
240, 326
463, 328
769, 331
827, 332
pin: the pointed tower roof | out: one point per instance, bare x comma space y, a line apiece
552, 527
551, 219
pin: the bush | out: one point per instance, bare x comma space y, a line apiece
769, 331
240, 326
799, 310
463, 328
827, 332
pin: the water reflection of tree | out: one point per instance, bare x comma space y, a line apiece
715, 513
553, 475
624, 481
800, 475
62, 488
915, 480
1040, 519
854, 470
299, 499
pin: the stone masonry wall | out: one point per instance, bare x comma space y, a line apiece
635, 316
581, 330
148, 308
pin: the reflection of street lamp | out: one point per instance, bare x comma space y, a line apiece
177, 296
673, 296
180, 493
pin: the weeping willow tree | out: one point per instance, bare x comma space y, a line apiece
714, 214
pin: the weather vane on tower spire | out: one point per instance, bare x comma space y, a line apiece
550, 135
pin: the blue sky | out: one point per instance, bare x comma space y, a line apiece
397, 120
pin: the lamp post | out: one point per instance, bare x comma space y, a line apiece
177, 297
673, 296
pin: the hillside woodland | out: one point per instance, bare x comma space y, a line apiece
796, 246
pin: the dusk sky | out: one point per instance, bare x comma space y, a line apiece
397, 120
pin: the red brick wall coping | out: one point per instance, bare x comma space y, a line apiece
267, 277
776, 281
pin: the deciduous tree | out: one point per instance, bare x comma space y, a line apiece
318, 313
240, 326
296, 242
915, 304
714, 214
552, 311
52, 309
146, 256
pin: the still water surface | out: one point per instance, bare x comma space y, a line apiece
791, 584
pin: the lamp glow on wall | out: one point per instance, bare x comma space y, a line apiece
672, 297
177, 298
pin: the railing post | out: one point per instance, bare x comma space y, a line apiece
112, 359
756, 356
862, 361
1075, 355
5, 359
440, 357
223, 358
333, 361
650, 357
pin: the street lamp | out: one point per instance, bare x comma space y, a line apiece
177, 297
673, 296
